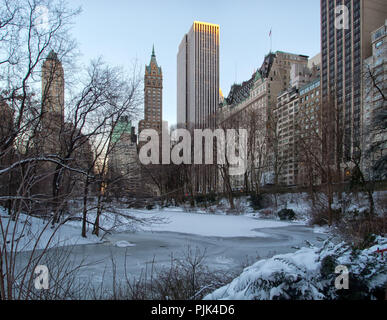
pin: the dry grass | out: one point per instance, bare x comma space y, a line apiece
186, 278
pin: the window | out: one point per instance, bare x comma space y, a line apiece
378, 44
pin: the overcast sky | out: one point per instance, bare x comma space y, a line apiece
122, 31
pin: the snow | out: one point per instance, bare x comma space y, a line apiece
299, 274
30, 231
321, 230
210, 225
124, 244
195, 221
223, 260
251, 284
295, 274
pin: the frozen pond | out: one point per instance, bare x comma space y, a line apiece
142, 249
230, 243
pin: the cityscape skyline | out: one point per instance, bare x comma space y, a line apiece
240, 56
270, 182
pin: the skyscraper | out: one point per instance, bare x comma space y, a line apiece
198, 76
52, 89
55, 136
198, 90
153, 96
52, 120
345, 43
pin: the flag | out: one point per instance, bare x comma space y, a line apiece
270, 33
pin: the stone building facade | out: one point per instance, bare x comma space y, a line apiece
52, 120
296, 115
258, 96
124, 170
309, 134
153, 96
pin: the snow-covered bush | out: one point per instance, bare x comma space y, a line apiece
308, 274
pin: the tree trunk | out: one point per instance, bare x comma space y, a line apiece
99, 211
84, 216
330, 201
371, 203
55, 195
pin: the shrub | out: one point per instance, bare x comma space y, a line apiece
266, 212
358, 289
320, 217
211, 197
186, 278
206, 200
256, 201
287, 214
328, 265
200, 198
360, 228
150, 206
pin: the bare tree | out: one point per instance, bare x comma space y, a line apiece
257, 150
25, 42
276, 160
320, 147
374, 128
49, 145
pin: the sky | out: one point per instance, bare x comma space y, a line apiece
123, 31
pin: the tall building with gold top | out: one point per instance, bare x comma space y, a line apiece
153, 96
198, 90
198, 76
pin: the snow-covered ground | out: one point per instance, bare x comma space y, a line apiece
29, 233
228, 239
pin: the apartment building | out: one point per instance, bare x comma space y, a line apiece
343, 48
309, 134
374, 144
294, 114
258, 97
